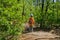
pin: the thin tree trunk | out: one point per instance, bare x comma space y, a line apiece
46, 9
57, 11
42, 13
23, 10
53, 12
46, 16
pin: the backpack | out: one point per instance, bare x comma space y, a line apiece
30, 21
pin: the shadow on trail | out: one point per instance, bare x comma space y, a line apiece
36, 29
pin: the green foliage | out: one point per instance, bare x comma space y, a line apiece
10, 18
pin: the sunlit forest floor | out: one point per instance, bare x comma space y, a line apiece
39, 35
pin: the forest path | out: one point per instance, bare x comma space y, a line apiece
40, 35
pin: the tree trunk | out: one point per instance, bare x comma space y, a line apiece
23, 10
46, 16
53, 12
42, 13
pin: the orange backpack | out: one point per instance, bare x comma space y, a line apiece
31, 20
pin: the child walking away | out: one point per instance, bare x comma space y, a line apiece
31, 23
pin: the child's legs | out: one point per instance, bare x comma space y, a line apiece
31, 28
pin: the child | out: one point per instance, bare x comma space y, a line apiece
31, 22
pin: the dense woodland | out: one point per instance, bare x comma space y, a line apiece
14, 13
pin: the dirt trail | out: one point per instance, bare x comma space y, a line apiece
40, 35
